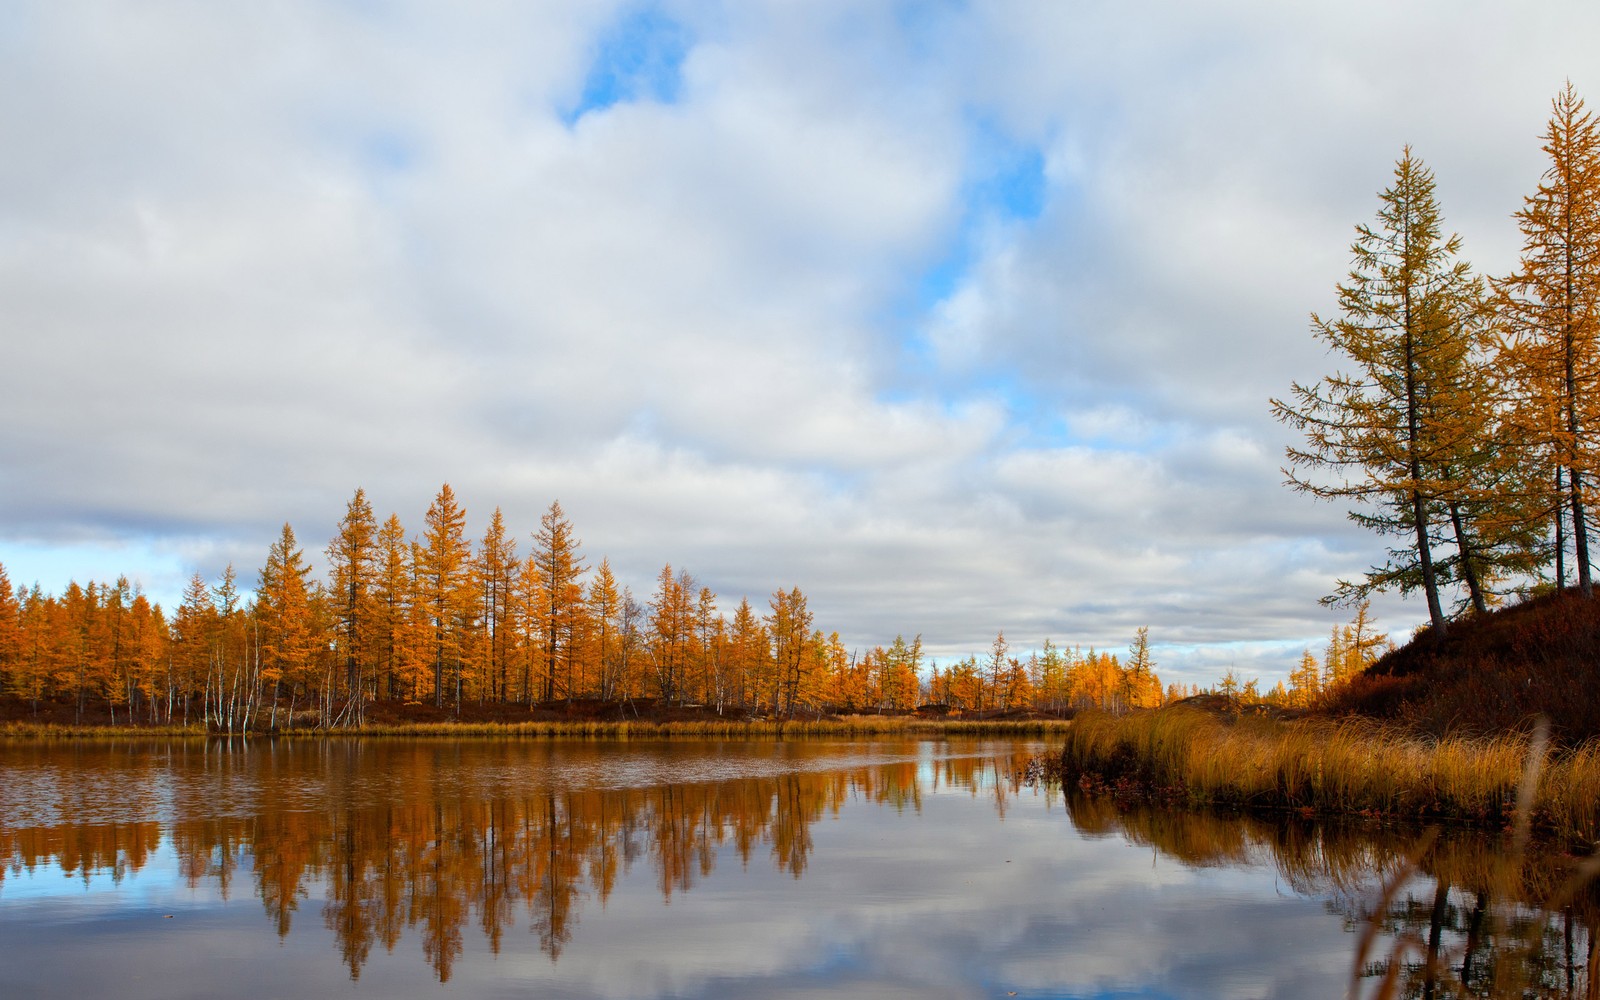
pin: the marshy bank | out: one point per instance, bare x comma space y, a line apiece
1188, 755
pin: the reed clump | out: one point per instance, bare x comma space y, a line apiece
1338, 766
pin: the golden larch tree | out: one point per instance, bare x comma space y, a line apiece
353, 567
604, 605
789, 624
445, 573
10, 632
1389, 435
284, 617
556, 558
497, 566
1551, 305
394, 645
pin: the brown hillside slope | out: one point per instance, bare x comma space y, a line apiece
1493, 673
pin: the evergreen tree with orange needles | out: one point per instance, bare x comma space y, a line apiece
1390, 434
560, 570
284, 618
1551, 305
446, 595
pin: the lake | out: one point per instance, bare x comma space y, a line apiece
594, 868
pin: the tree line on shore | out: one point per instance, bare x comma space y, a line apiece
1462, 428
436, 619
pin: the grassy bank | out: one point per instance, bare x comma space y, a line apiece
1200, 757
60, 731
848, 726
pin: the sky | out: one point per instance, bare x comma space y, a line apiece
961, 317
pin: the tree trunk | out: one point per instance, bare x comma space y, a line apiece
1430, 580
1468, 574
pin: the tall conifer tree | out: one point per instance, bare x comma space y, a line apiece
556, 557
1552, 308
496, 566
353, 562
283, 608
1388, 434
444, 573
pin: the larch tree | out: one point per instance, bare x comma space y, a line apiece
1050, 677
747, 645
497, 566
150, 640
445, 576
284, 613
10, 632
353, 555
670, 623
417, 669
1389, 435
528, 617
991, 695
900, 673
1305, 682
789, 624
1141, 669
195, 630
556, 557
392, 636
706, 668
237, 687
632, 644
604, 604
30, 676
1551, 305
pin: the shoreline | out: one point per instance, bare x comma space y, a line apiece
1191, 757
558, 729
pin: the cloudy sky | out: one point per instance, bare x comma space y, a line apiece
960, 317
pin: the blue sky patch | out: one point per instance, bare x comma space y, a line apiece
1003, 185
1005, 176
388, 152
1017, 187
638, 58
1004, 182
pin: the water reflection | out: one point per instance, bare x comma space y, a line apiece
1456, 914
628, 868
444, 839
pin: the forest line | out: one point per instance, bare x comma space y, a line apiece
438, 620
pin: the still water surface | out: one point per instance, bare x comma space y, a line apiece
400, 868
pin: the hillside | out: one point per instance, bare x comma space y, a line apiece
1493, 673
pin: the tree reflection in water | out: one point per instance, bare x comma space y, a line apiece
1458, 916
424, 841
428, 837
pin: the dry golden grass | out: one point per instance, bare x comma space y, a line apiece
1350, 766
56, 731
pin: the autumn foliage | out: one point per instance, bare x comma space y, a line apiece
438, 622
1460, 421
